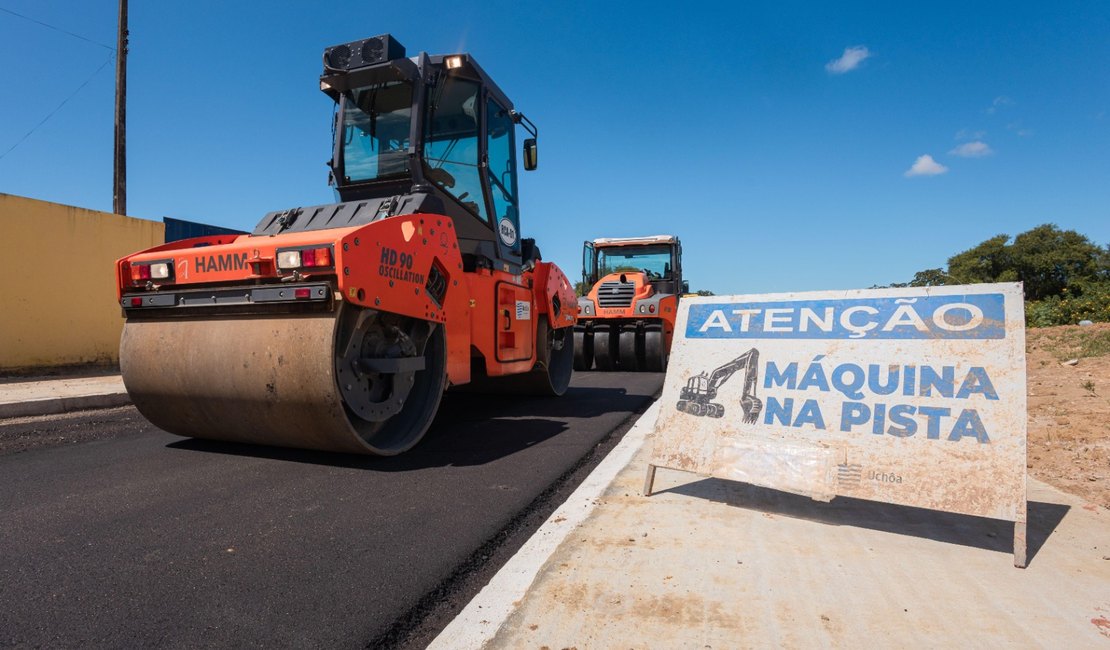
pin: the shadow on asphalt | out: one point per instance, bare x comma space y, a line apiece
470, 429
947, 527
577, 402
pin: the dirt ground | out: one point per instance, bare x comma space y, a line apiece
1069, 408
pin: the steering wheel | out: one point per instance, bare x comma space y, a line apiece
440, 176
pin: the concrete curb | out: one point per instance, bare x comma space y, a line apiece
55, 405
478, 623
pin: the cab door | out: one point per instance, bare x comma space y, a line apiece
589, 264
515, 322
501, 179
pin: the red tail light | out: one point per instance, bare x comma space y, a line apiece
159, 270
297, 258
316, 257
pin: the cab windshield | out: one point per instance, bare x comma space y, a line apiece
376, 125
655, 261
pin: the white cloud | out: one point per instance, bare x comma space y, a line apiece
850, 60
1001, 101
976, 149
925, 166
968, 134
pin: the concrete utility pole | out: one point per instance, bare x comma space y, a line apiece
119, 180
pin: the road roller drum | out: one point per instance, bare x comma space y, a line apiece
287, 380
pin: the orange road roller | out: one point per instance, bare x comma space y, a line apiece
338, 327
626, 321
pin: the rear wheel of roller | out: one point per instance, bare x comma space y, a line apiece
554, 363
605, 350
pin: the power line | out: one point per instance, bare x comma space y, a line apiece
57, 29
71, 95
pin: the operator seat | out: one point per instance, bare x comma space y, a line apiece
529, 254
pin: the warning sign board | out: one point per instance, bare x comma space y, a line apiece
912, 396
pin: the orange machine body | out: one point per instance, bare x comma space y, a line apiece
339, 327
407, 264
646, 306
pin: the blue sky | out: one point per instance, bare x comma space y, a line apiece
776, 139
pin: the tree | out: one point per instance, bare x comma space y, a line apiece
988, 262
931, 278
1046, 259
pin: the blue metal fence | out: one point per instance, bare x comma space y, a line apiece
177, 229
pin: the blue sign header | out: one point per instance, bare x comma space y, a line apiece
973, 316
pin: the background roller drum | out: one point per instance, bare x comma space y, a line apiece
629, 356
583, 349
605, 348
655, 351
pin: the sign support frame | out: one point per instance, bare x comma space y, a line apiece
829, 385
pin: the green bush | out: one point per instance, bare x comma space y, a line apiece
1080, 301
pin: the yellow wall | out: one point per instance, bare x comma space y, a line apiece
57, 281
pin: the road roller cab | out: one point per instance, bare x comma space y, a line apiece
626, 320
339, 326
430, 134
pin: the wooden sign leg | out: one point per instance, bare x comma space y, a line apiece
649, 480
1020, 544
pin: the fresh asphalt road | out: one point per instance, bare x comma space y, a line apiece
136, 537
